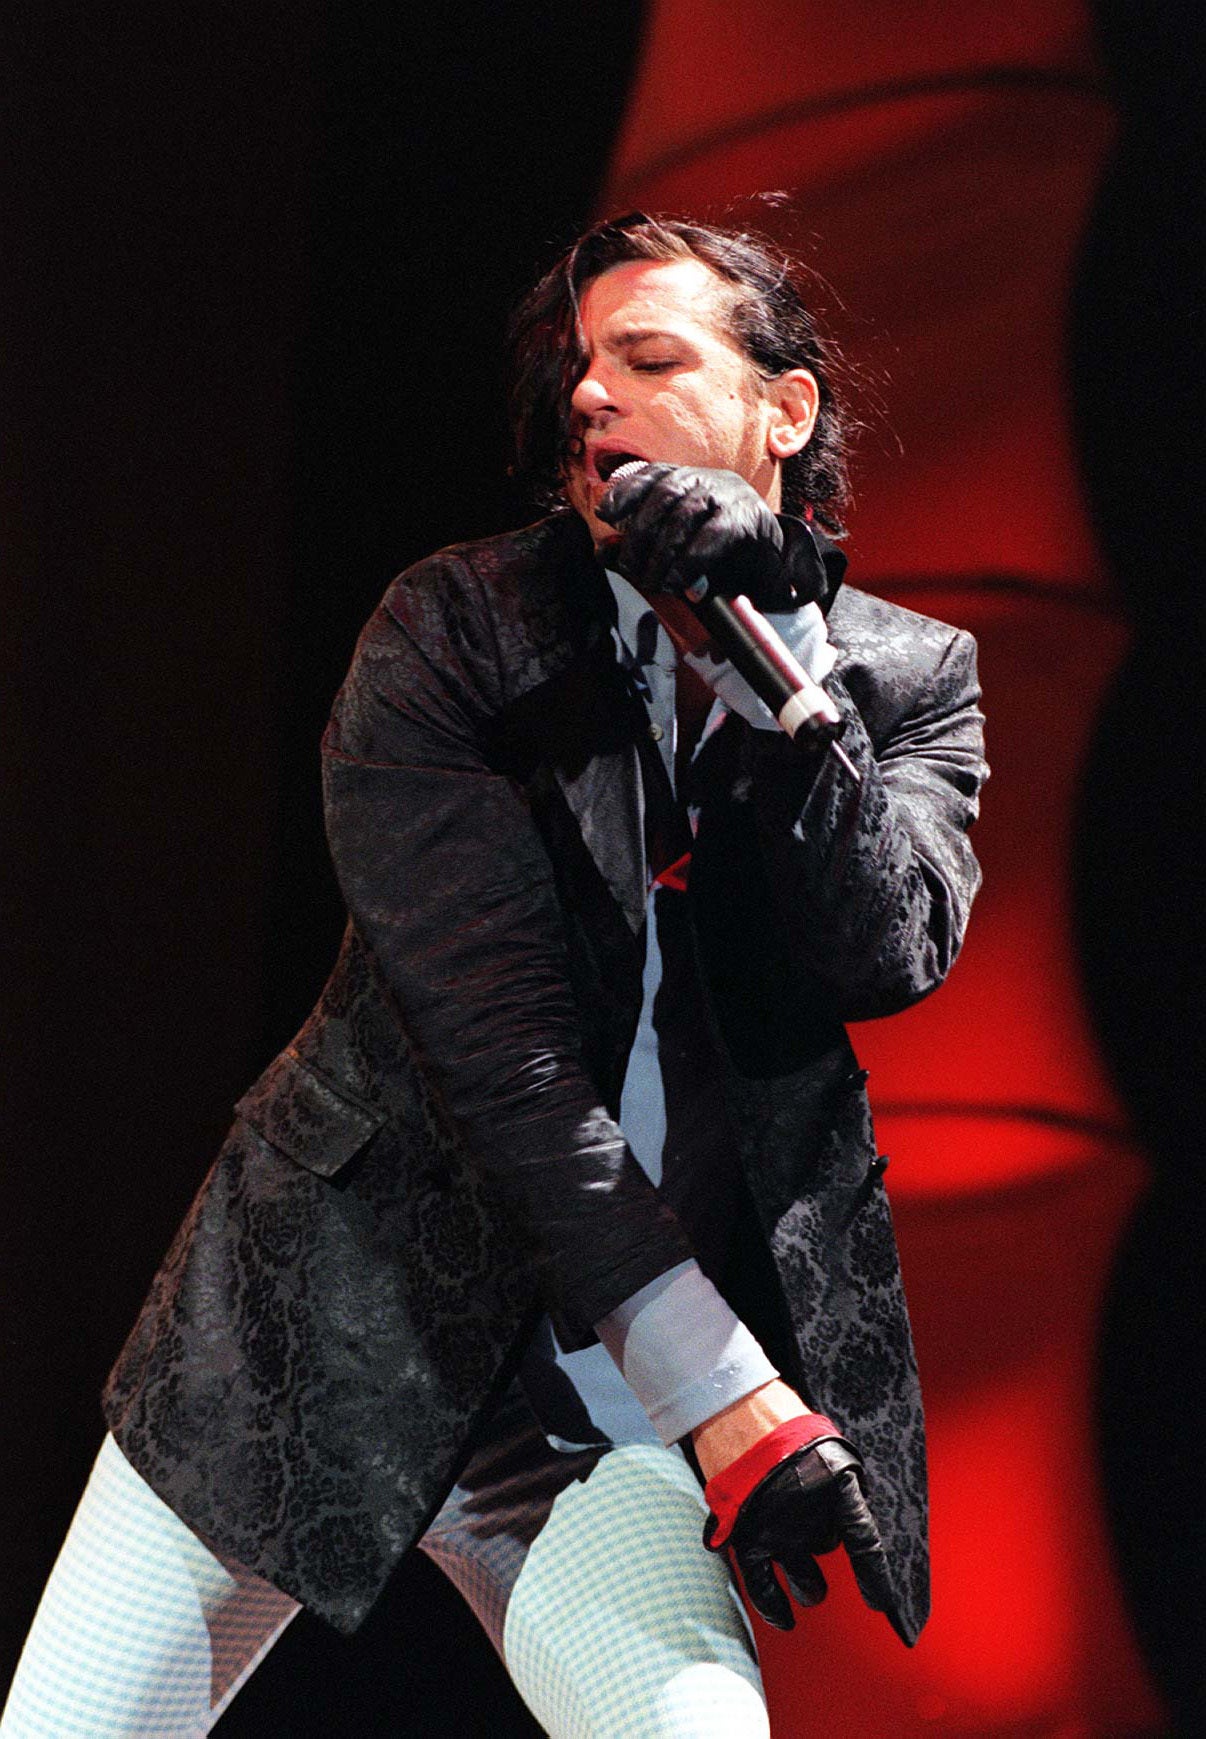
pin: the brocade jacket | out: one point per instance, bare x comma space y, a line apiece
434, 1159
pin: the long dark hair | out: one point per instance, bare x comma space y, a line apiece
768, 316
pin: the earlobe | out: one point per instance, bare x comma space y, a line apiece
796, 399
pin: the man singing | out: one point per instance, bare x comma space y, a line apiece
556, 1241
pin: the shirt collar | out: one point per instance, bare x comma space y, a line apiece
631, 606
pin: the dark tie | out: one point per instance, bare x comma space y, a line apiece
637, 662
667, 835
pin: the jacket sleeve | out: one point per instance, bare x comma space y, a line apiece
449, 883
873, 881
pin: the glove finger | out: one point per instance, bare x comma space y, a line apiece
626, 494
864, 1548
659, 536
766, 1596
804, 1577
740, 553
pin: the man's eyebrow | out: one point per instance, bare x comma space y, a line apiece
638, 334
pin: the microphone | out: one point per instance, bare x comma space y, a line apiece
800, 705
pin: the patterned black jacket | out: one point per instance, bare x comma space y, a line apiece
434, 1158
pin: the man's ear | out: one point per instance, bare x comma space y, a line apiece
795, 399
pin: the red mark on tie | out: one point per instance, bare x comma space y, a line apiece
674, 876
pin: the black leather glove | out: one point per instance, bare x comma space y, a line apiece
683, 521
798, 1493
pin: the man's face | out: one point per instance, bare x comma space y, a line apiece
664, 380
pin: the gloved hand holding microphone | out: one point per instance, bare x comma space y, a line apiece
684, 523
708, 537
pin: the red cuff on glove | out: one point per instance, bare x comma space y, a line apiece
727, 1490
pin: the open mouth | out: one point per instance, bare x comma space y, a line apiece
607, 464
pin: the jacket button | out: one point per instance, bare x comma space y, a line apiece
879, 1165
857, 1078
656, 732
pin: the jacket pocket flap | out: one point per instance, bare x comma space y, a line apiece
306, 1117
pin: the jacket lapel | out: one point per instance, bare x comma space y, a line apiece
583, 725
608, 802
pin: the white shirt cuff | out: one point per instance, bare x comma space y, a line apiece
683, 1351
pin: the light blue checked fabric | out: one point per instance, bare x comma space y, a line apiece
620, 1625
589, 1575
142, 1632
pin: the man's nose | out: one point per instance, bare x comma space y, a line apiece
593, 393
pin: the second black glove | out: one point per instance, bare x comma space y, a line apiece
796, 1495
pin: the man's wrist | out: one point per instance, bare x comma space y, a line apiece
735, 1429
